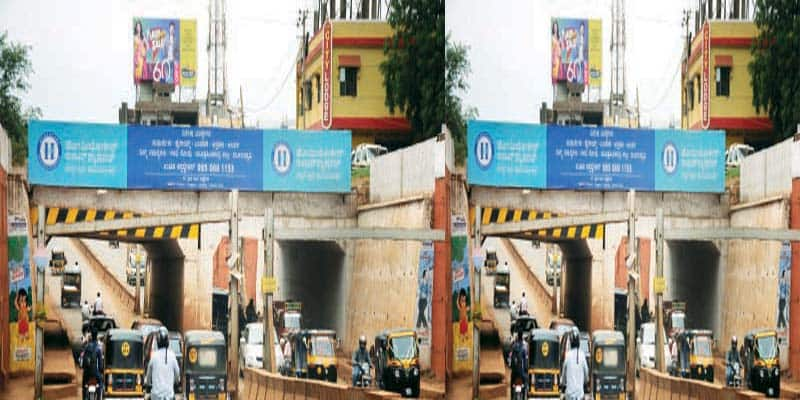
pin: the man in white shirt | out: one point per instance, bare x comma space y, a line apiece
162, 370
98, 305
523, 305
575, 371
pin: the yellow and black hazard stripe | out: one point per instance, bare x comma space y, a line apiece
57, 215
501, 215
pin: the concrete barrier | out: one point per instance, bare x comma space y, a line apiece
260, 385
109, 279
656, 385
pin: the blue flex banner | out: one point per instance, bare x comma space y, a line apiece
187, 158
594, 158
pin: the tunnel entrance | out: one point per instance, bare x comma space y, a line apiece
313, 272
577, 282
694, 278
166, 282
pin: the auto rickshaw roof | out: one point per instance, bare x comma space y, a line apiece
562, 321
491, 250
698, 332
544, 334
318, 332
397, 332
195, 337
147, 321
130, 335
502, 270
72, 269
57, 250
760, 332
608, 337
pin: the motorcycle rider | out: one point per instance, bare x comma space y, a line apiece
518, 359
732, 359
575, 371
163, 372
91, 361
360, 356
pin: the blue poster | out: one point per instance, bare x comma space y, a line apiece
306, 161
422, 314
80, 155
194, 158
511, 153
690, 161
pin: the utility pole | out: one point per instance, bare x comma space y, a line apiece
269, 236
476, 304
41, 241
138, 275
659, 287
630, 263
233, 297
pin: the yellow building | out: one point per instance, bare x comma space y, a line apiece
347, 54
717, 93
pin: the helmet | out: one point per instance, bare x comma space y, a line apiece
575, 339
362, 341
162, 337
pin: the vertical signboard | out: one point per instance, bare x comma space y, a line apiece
705, 87
84, 155
422, 313
576, 51
327, 74
462, 296
512, 153
784, 289
21, 325
158, 46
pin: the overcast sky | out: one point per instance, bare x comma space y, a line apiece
510, 53
83, 63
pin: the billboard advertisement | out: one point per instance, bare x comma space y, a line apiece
573, 44
422, 313
462, 296
187, 158
594, 158
21, 324
157, 46
784, 290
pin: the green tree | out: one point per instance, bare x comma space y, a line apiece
457, 70
414, 70
773, 70
15, 68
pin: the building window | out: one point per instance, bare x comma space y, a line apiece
724, 81
307, 94
699, 90
348, 81
319, 92
690, 94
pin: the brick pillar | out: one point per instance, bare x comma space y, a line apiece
441, 334
794, 294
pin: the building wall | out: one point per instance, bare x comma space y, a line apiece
765, 173
5, 166
734, 113
365, 114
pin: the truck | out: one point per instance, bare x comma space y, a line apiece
674, 316
287, 317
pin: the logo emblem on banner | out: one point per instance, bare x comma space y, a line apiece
49, 150
484, 150
281, 158
669, 158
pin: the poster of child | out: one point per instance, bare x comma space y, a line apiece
20, 298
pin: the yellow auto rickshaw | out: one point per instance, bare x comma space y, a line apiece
71, 286
205, 365
490, 263
57, 261
320, 353
397, 362
124, 364
760, 356
544, 371
608, 365
696, 360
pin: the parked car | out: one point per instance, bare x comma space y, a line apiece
365, 153
251, 346
736, 153
647, 348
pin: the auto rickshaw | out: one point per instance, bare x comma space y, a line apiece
205, 365
397, 362
544, 371
57, 261
124, 364
760, 356
318, 347
608, 365
71, 286
695, 358
502, 285
490, 263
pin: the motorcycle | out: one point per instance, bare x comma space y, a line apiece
736, 380
364, 379
518, 390
92, 390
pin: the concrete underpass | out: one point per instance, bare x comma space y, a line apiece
693, 275
166, 282
577, 282
314, 273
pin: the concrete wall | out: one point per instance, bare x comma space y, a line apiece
408, 172
5, 167
766, 173
751, 281
383, 286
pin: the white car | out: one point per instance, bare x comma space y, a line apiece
736, 153
365, 153
647, 348
251, 349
